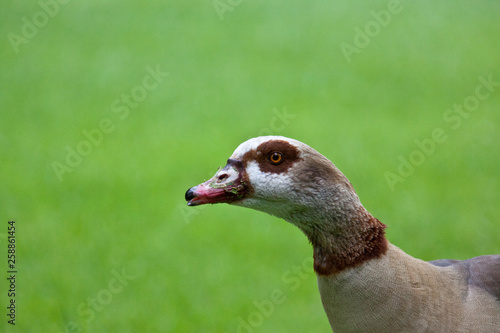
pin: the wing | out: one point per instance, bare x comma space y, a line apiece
444, 262
485, 273
482, 272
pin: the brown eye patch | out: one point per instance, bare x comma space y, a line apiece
274, 156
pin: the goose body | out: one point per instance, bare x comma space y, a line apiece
366, 283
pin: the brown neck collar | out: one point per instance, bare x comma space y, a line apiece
349, 242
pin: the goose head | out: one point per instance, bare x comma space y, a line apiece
282, 177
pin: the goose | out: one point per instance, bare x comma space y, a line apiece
366, 283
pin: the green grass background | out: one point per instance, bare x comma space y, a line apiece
201, 269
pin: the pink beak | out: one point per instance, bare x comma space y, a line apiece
226, 186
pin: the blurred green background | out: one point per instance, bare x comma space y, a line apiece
95, 180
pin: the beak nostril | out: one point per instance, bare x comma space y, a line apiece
222, 177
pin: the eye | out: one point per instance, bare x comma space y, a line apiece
275, 158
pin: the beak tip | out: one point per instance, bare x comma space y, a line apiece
190, 195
